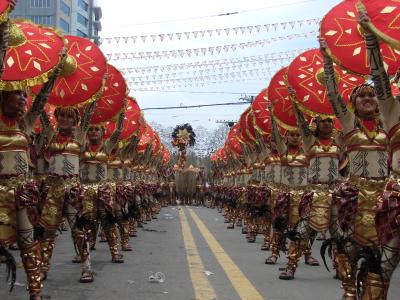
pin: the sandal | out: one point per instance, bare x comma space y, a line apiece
265, 247
251, 239
311, 261
126, 247
76, 259
86, 277
286, 275
271, 260
117, 259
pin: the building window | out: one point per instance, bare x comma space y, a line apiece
40, 3
81, 33
64, 25
45, 20
82, 4
65, 8
82, 20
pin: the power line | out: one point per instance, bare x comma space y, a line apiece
219, 15
195, 106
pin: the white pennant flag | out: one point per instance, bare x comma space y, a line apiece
283, 24
153, 37
134, 39
187, 34
161, 37
218, 31
317, 21
116, 56
109, 55
236, 29
170, 35
204, 51
196, 51
292, 23
211, 50
178, 35
250, 29
258, 28
275, 25
226, 48
233, 47
309, 21
210, 32
227, 30
125, 38
189, 52
143, 37
101, 41
218, 49
195, 33
266, 26
108, 40
181, 53
242, 29
202, 32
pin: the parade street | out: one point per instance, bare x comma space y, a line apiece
200, 259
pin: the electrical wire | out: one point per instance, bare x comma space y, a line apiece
195, 106
219, 15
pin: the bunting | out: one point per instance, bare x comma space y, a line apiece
243, 30
208, 50
240, 62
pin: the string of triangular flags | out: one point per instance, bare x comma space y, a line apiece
161, 37
209, 77
215, 63
180, 53
201, 72
195, 84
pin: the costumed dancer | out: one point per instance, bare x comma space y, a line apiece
376, 283
100, 197
294, 170
65, 193
273, 178
19, 196
366, 145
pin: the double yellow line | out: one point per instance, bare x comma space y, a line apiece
239, 281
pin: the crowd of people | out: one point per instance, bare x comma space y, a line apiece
333, 172
73, 148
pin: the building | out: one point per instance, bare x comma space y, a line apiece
74, 17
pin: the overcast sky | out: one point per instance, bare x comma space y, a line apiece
132, 18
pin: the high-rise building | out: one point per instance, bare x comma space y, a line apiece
74, 17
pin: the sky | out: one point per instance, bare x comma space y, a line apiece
126, 18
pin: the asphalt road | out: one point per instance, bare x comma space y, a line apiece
184, 244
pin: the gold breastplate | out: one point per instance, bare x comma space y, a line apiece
294, 160
273, 159
357, 140
115, 162
70, 147
12, 138
94, 157
320, 150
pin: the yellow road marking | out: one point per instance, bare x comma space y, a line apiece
202, 287
239, 281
